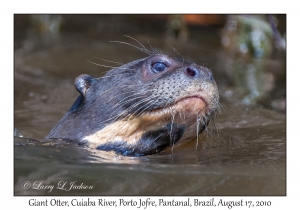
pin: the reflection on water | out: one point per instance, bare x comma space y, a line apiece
245, 155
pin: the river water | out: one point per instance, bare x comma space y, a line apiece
244, 153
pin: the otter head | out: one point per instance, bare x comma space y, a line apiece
141, 107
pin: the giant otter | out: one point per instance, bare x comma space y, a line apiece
142, 107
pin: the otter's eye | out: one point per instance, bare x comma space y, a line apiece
159, 67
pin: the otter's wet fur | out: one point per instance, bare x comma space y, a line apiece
142, 107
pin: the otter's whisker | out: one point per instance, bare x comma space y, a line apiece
115, 75
178, 53
220, 105
214, 119
141, 49
127, 110
171, 131
154, 51
114, 67
125, 99
131, 107
147, 105
108, 74
139, 43
109, 61
197, 129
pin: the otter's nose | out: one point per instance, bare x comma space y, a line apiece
197, 72
191, 71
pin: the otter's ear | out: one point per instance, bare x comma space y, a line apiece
83, 83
